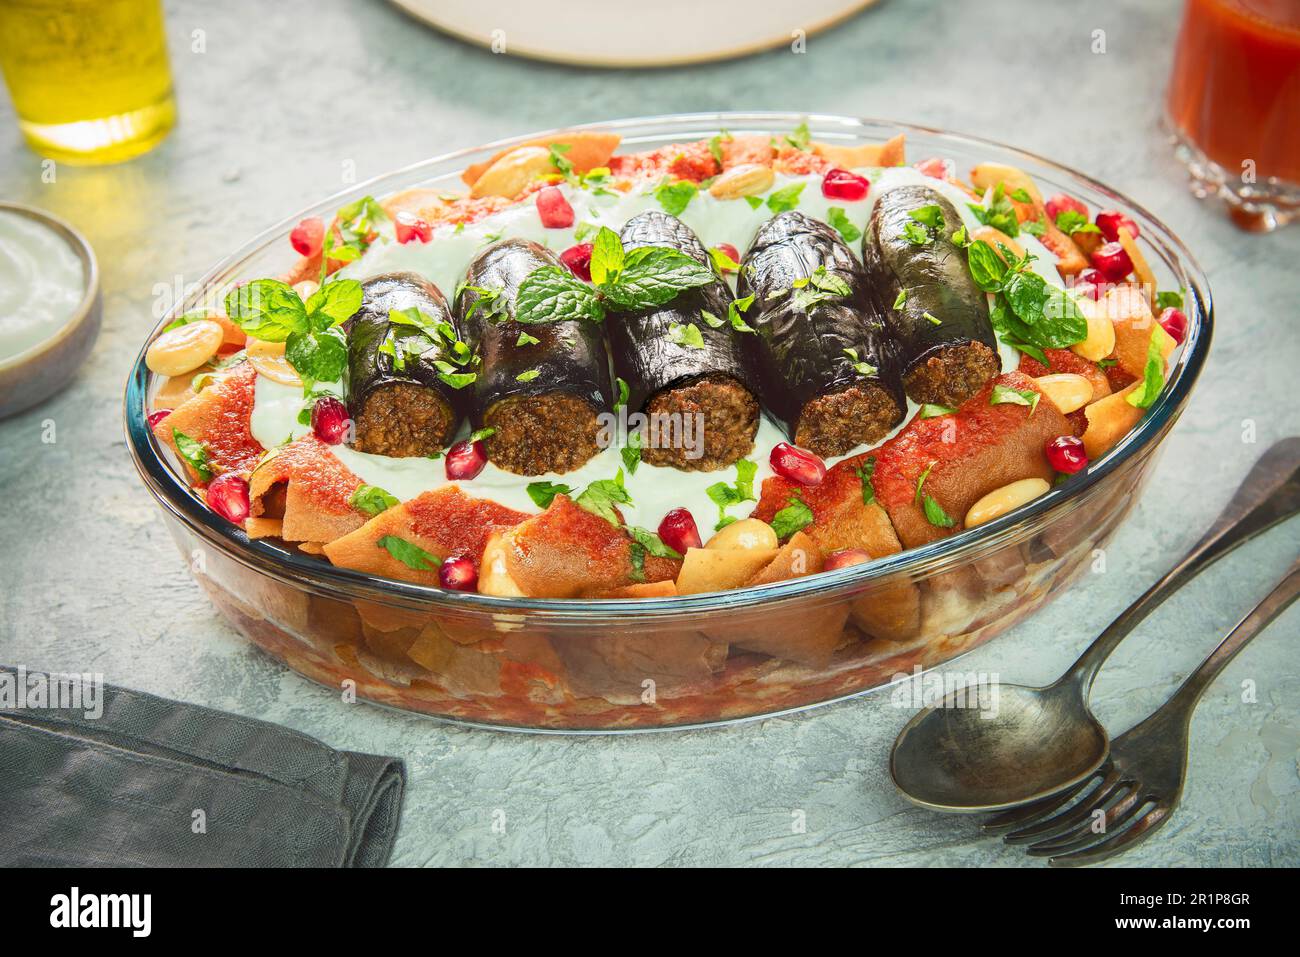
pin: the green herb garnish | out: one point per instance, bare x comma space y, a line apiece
796, 515
409, 554
1153, 377
724, 495
372, 500
785, 199
839, 221
675, 197
194, 452
543, 493
1003, 395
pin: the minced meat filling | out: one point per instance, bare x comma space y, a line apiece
721, 416
836, 423
555, 432
403, 419
951, 375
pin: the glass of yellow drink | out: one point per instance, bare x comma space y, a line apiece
90, 79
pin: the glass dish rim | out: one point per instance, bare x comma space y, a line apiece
165, 483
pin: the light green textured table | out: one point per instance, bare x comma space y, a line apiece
288, 96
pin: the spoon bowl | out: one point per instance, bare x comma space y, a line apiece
1027, 743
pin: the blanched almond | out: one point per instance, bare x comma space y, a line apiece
1101, 335
268, 359
509, 175
185, 348
1002, 500
1067, 390
748, 534
747, 179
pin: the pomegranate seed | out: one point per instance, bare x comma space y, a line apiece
308, 236
1061, 202
578, 259
1065, 454
1111, 221
465, 460
679, 532
800, 467
554, 209
409, 227
330, 420
730, 251
227, 495
841, 184
936, 167
1175, 323
1112, 261
158, 416
458, 573
844, 558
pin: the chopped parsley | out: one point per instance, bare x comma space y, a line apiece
1153, 377
821, 286
686, 334
839, 221
543, 493
372, 500
1003, 395
726, 495
934, 513
795, 516
785, 199
864, 472
409, 554
601, 497
194, 452
674, 197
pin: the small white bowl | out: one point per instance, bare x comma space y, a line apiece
36, 373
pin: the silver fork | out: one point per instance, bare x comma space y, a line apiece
1135, 791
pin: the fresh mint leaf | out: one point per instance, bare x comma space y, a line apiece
800, 139
818, 287
607, 257
930, 216
1071, 221
334, 302
654, 276
722, 261
528, 375
916, 234
986, 266
319, 356
934, 513
931, 410
1168, 300
725, 495
754, 201
526, 340
901, 299
372, 500
553, 294
735, 313
409, 554
267, 309
631, 453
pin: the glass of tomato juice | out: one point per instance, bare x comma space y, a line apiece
1233, 106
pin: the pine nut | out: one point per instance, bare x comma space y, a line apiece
185, 348
1067, 390
1002, 500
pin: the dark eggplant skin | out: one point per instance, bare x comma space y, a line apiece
370, 370
644, 355
801, 354
570, 356
938, 281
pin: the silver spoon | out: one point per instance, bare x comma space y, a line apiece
1043, 740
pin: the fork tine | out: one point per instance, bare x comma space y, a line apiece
1028, 813
1071, 816
1146, 825
1116, 816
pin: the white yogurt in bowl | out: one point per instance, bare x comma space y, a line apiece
42, 283
49, 305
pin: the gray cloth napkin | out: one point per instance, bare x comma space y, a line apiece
158, 783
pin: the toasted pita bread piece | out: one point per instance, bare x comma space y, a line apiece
217, 417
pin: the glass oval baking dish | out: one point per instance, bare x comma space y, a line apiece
620, 665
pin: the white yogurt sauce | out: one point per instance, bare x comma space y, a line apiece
654, 490
42, 281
